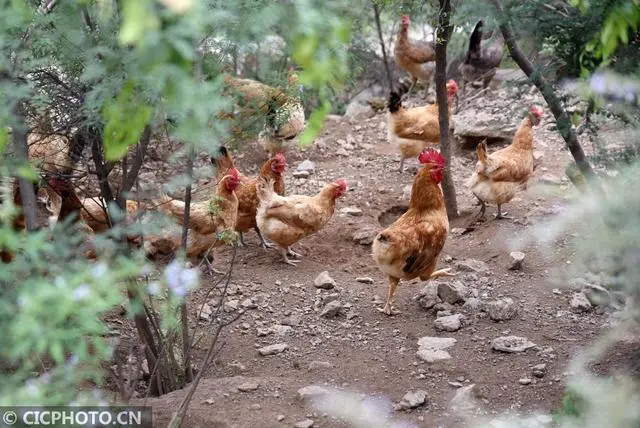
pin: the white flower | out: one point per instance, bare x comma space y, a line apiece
180, 279
81, 292
153, 288
598, 83
99, 270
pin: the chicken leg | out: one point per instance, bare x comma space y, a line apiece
263, 241
388, 307
241, 239
210, 269
285, 252
502, 216
441, 272
401, 165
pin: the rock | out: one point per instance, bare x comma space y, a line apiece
352, 211
502, 309
428, 297
365, 280
262, 332
511, 344
255, 406
248, 304
524, 381
580, 303
472, 265
432, 349
449, 323
273, 349
365, 236
550, 179
232, 305
539, 370
320, 365
301, 174
207, 311
307, 166
331, 309
452, 292
474, 125
307, 423
310, 392
324, 281
412, 399
464, 400
292, 320
280, 330
597, 295
516, 259
248, 387
473, 305
280, 418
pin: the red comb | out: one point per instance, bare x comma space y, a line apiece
280, 158
342, 183
537, 111
233, 172
452, 87
432, 156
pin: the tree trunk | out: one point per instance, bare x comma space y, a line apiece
546, 89
184, 320
27, 192
443, 33
376, 12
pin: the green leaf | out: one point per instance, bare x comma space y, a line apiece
56, 352
4, 138
314, 124
138, 18
28, 172
125, 119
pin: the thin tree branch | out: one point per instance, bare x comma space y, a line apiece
376, 12
546, 89
141, 152
21, 147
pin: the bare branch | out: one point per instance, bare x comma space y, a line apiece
376, 12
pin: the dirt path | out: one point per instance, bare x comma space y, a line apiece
365, 351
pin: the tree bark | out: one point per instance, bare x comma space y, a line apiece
376, 12
27, 192
546, 89
443, 32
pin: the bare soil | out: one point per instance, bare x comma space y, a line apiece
367, 351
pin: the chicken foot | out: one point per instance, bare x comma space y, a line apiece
388, 307
209, 263
241, 239
263, 242
401, 165
441, 272
285, 252
502, 216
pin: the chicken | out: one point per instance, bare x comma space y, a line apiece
94, 215
411, 129
286, 220
482, 60
410, 247
211, 222
499, 176
282, 110
415, 57
247, 199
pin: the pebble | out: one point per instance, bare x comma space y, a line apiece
301, 174
331, 309
280, 418
463, 400
539, 370
580, 303
511, 344
502, 309
248, 386
318, 365
449, 323
524, 381
311, 391
452, 292
412, 399
324, 281
472, 265
307, 423
307, 166
516, 259
432, 349
352, 211
275, 349
365, 280
428, 297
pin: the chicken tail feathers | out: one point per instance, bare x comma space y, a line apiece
223, 161
395, 102
172, 207
474, 42
481, 151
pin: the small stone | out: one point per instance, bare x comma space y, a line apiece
324, 281
307, 165
412, 399
248, 387
473, 305
255, 406
301, 174
352, 211
597, 295
248, 304
539, 370
320, 365
524, 381
449, 323
580, 303
428, 297
331, 309
311, 392
205, 314
463, 400
472, 265
292, 320
232, 305
273, 349
511, 344
452, 292
262, 332
502, 309
281, 330
365, 236
280, 418
516, 259
432, 349
307, 423
365, 280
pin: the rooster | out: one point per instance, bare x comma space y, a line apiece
247, 198
481, 61
410, 247
415, 57
211, 222
411, 129
499, 176
286, 220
